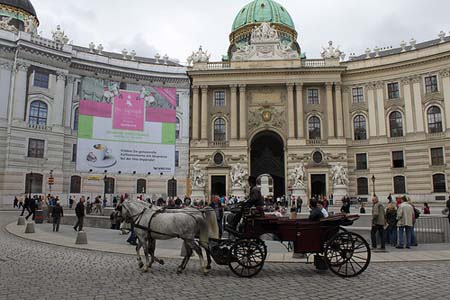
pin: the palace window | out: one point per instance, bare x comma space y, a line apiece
74, 152
75, 185
393, 90
361, 161
399, 185
177, 129
177, 159
76, 117
439, 185
431, 85
141, 186
314, 128
41, 79
313, 96
178, 100
396, 124
219, 130
358, 95
33, 183
437, 156
359, 127
434, 119
38, 113
219, 98
36, 148
397, 159
362, 186
109, 185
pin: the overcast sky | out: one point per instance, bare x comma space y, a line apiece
177, 27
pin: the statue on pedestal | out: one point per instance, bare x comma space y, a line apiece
298, 176
197, 176
339, 175
237, 176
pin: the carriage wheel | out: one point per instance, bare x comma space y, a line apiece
347, 254
246, 258
263, 246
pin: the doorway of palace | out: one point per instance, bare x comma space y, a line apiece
218, 186
267, 158
318, 185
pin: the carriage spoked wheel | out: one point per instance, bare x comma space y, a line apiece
347, 254
262, 245
246, 258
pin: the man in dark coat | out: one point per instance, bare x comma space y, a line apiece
26, 205
316, 212
79, 211
31, 209
57, 213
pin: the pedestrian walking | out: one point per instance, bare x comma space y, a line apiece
426, 209
71, 201
32, 209
57, 214
447, 204
391, 219
15, 202
404, 223
299, 204
378, 222
79, 211
26, 205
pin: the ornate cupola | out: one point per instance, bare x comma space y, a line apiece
18, 15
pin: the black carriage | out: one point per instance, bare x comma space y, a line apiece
345, 253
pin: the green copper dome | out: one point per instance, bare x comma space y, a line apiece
259, 11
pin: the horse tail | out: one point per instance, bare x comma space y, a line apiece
211, 223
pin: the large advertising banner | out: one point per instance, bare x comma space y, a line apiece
131, 132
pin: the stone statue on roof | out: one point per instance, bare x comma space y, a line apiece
331, 52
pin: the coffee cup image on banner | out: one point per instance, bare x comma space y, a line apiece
100, 157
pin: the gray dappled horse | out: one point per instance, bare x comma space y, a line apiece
153, 223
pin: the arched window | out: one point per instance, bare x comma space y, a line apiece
177, 129
439, 185
38, 113
396, 124
141, 186
76, 116
109, 185
399, 185
33, 183
434, 119
75, 185
314, 128
219, 130
359, 127
362, 186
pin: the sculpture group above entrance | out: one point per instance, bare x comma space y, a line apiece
265, 44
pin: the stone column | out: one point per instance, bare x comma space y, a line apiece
291, 112
345, 106
372, 110
339, 117
58, 102
380, 108
418, 105
20, 92
69, 100
408, 106
234, 112
5, 84
242, 112
446, 89
300, 112
195, 112
330, 110
204, 129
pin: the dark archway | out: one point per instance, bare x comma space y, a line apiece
267, 157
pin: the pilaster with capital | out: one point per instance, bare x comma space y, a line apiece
372, 110
70, 88
300, 111
234, 112
379, 86
58, 102
346, 98
291, 112
418, 104
195, 112
204, 122
330, 109
242, 112
408, 105
339, 116
20, 91
5, 83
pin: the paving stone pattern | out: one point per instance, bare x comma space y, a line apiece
33, 270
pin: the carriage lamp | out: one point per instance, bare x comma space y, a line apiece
373, 185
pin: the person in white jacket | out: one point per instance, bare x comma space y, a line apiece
404, 222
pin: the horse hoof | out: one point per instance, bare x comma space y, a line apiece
161, 262
141, 265
179, 271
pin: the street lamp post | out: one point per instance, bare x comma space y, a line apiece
373, 185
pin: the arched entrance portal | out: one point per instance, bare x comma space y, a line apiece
267, 157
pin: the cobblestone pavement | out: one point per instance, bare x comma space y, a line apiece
32, 270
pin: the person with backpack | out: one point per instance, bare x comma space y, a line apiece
416, 215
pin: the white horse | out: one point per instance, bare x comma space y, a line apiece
153, 223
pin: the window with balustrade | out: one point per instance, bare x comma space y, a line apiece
396, 124
362, 186
393, 90
439, 184
38, 113
313, 96
360, 128
219, 130
399, 185
358, 95
434, 117
431, 84
314, 128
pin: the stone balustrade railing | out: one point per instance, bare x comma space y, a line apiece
313, 63
219, 66
38, 127
46, 42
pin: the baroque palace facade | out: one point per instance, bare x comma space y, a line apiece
384, 117
41, 83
